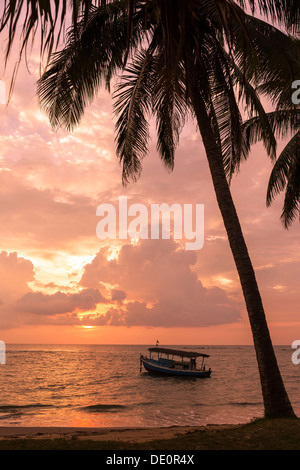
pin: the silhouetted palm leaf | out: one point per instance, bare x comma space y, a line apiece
94, 51
132, 103
283, 68
285, 176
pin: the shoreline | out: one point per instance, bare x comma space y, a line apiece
126, 434
260, 434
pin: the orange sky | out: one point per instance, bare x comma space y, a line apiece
57, 277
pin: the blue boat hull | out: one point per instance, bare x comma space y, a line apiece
160, 370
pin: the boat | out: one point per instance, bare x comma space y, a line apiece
174, 362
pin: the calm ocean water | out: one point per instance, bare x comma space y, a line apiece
101, 385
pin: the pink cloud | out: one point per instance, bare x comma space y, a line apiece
161, 287
15, 274
43, 218
20, 305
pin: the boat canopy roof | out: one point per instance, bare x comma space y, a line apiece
177, 352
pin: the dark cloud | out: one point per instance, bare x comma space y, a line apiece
118, 295
59, 303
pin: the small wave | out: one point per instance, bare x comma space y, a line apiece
146, 403
244, 403
10, 415
102, 408
19, 408
52, 387
31, 351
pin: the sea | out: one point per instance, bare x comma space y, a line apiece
102, 386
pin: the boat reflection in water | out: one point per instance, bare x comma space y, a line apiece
164, 361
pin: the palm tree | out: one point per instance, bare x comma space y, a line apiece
178, 63
183, 57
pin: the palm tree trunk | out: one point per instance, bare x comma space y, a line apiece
276, 401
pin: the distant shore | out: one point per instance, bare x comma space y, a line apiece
261, 434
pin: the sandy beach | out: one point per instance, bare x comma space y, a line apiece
261, 434
102, 434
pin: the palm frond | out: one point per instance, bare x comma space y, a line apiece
32, 15
227, 111
93, 53
282, 122
278, 66
29, 21
286, 176
169, 107
49, 17
286, 12
132, 103
259, 127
